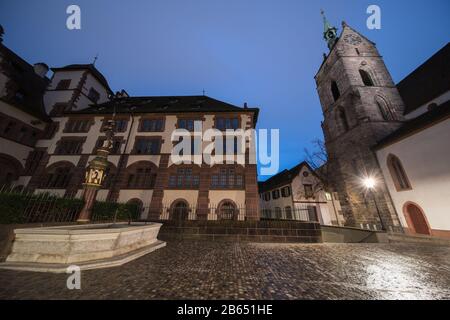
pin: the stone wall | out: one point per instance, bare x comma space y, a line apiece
247, 231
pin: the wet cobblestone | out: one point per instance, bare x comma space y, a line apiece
223, 270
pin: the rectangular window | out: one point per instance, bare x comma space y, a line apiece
172, 181
69, 146
152, 125
147, 146
227, 123
50, 130
121, 125
308, 191
63, 84
77, 125
187, 124
285, 192
276, 194
93, 95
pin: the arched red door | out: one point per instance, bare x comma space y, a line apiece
417, 219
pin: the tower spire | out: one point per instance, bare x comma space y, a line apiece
329, 32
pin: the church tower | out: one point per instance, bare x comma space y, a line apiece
361, 106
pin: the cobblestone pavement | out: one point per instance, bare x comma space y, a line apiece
205, 270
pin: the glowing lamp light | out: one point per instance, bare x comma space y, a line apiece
369, 182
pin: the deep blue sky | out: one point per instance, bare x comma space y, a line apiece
262, 52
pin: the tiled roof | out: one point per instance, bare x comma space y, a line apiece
165, 104
427, 82
437, 114
26, 81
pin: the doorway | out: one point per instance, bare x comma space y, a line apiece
416, 219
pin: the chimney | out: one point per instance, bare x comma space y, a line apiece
245, 105
40, 69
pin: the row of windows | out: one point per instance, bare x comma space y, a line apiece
148, 125
143, 145
16, 131
286, 192
144, 177
275, 194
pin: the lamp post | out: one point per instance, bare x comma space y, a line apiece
370, 183
95, 175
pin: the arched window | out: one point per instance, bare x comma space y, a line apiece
228, 211
342, 119
385, 109
335, 90
58, 175
179, 210
10, 171
136, 205
398, 174
366, 79
141, 175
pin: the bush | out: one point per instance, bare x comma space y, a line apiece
25, 208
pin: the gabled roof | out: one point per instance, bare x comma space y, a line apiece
91, 68
25, 81
282, 178
415, 125
165, 104
427, 82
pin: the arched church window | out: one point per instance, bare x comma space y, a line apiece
367, 80
385, 109
398, 173
342, 119
335, 90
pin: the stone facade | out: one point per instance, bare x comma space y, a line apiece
361, 105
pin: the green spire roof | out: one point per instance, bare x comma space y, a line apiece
329, 32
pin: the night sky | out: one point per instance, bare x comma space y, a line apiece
265, 53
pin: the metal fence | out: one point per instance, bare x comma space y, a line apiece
301, 212
22, 206
27, 207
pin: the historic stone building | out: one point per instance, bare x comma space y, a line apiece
51, 128
361, 105
364, 111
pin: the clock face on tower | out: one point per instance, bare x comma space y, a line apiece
352, 39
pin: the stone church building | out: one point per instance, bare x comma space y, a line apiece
50, 128
362, 106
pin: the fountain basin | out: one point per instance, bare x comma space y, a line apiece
91, 246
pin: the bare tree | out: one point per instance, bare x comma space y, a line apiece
318, 160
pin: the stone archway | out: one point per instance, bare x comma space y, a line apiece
227, 210
416, 219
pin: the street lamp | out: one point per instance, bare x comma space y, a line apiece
370, 183
95, 175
